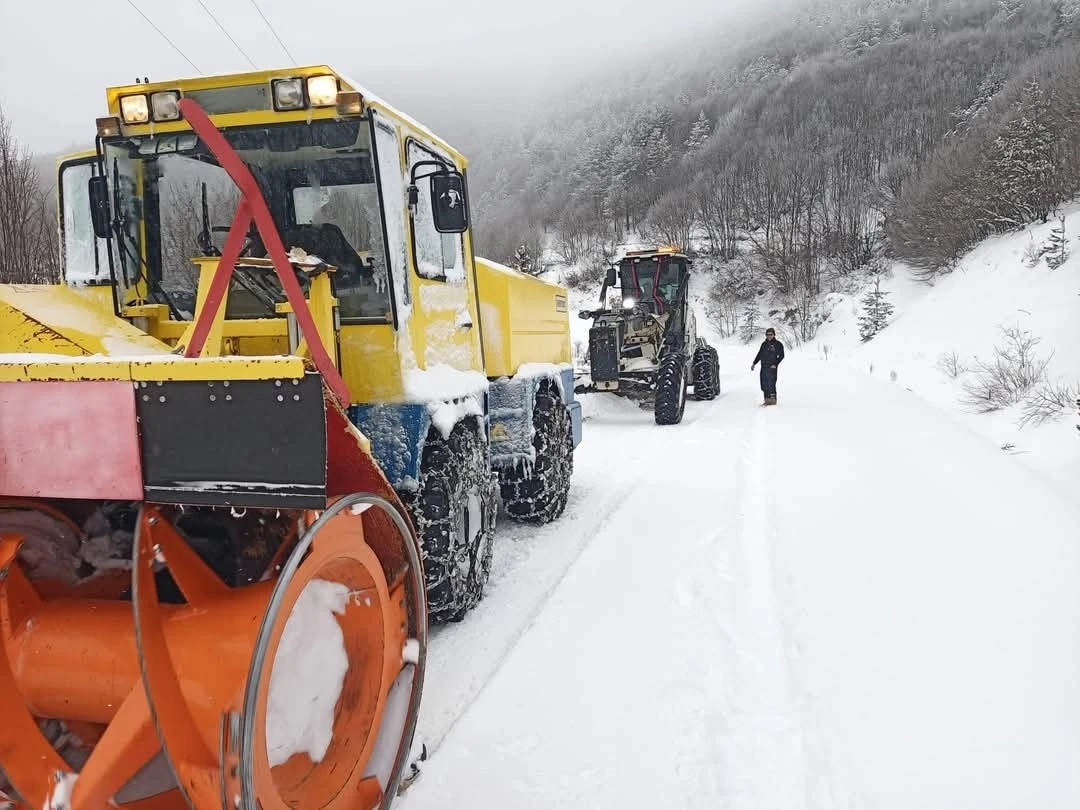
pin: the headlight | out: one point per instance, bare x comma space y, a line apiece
629, 303
288, 94
322, 91
134, 109
166, 105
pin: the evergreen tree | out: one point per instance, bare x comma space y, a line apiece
1022, 161
748, 323
876, 312
699, 133
1056, 249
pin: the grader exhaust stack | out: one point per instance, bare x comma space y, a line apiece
210, 594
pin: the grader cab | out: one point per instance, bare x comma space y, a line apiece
253, 446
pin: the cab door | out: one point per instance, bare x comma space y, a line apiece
445, 322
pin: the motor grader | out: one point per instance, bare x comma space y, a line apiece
253, 445
643, 343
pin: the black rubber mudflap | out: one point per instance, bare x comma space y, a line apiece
603, 354
234, 443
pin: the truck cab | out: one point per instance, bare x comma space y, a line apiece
372, 209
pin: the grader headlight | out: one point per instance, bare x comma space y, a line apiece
288, 94
322, 91
135, 109
166, 105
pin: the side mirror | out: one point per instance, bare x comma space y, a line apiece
612, 276
449, 207
585, 314
99, 207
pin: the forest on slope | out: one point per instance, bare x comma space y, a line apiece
797, 151
803, 156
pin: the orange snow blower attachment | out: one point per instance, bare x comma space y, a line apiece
210, 594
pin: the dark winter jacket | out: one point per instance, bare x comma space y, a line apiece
771, 353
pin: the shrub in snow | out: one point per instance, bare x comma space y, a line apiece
1009, 376
876, 311
1032, 253
1048, 400
949, 363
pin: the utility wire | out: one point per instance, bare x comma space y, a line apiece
272, 31
132, 4
227, 34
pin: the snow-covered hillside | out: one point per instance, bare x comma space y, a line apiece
964, 314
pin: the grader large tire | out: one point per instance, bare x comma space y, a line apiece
706, 366
537, 492
670, 398
454, 511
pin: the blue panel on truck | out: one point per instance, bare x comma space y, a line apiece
572, 404
511, 412
510, 404
397, 434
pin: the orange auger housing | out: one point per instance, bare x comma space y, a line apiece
210, 595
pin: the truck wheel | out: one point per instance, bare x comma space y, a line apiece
670, 398
537, 492
706, 372
454, 513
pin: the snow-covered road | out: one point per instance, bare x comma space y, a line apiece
847, 601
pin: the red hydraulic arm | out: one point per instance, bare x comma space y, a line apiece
252, 207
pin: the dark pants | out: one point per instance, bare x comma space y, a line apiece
768, 381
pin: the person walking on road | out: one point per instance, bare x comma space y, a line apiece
770, 355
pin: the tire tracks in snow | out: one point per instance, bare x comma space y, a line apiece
464, 657
767, 757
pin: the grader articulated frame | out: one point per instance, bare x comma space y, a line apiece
210, 594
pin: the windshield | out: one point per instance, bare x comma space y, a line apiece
172, 203
653, 281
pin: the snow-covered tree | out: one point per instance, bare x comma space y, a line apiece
1056, 249
699, 133
523, 261
1022, 161
748, 323
876, 311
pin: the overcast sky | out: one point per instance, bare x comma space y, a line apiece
414, 53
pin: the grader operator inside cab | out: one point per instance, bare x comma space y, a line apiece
252, 445
644, 342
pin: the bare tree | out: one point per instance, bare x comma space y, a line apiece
28, 228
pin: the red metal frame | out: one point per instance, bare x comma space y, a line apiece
252, 207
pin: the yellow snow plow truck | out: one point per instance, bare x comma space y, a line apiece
253, 445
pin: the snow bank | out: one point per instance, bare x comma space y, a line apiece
963, 313
308, 673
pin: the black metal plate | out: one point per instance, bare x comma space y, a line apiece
603, 354
235, 443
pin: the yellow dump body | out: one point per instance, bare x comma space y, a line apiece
524, 319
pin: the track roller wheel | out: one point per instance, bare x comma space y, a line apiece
297, 691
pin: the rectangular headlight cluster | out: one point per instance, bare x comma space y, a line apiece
298, 93
142, 108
